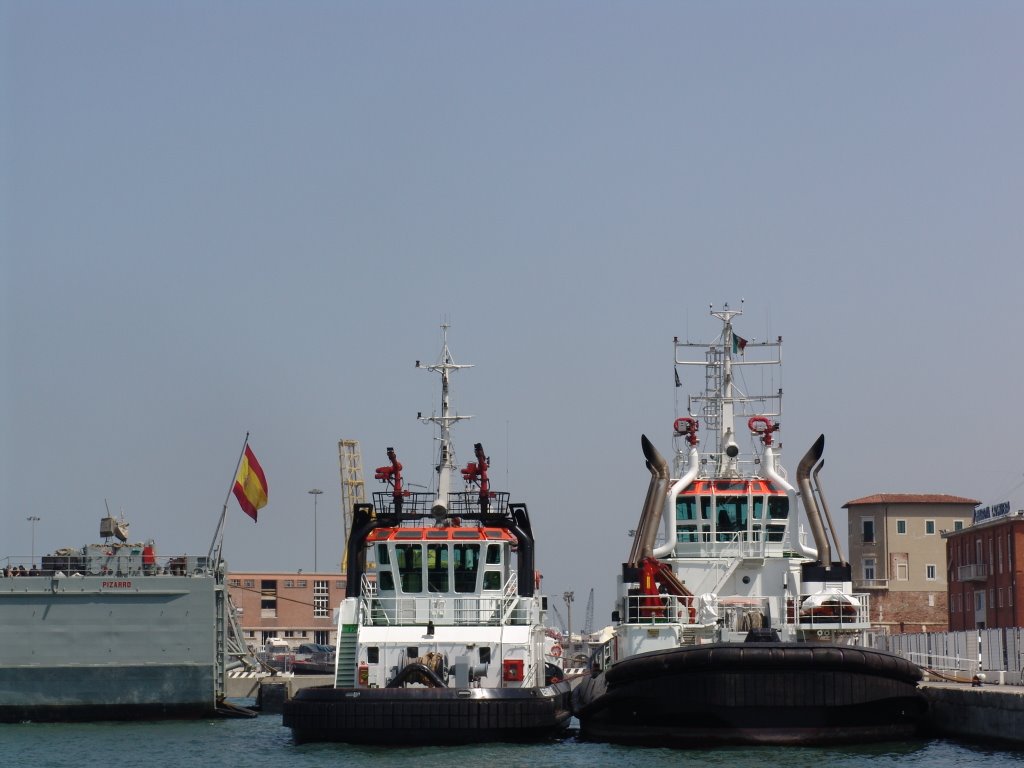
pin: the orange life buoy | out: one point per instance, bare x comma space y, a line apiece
556, 651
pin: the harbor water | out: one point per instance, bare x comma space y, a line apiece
263, 741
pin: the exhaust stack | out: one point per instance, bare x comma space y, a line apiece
814, 519
647, 528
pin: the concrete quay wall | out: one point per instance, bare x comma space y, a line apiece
990, 713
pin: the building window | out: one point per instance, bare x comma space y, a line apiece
235, 583
869, 569
958, 525
250, 584
289, 633
979, 600
999, 554
289, 583
268, 598
320, 599
301, 583
339, 585
901, 526
867, 528
999, 597
929, 572
929, 527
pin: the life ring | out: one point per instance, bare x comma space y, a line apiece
556, 651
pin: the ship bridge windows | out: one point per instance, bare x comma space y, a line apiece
444, 567
721, 513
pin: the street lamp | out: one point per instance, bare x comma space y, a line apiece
314, 493
33, 519
568, 597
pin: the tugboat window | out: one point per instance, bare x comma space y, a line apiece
382, 554
466, 561
372, 655
437, 567
485, 655
778, 509
494, 554
686, 510
492, 580
410, 567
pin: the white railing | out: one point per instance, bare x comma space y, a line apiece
506, 608
836, 613
660, 609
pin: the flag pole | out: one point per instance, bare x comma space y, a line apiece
218, 536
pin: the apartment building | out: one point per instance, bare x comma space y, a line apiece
898, 556
294, 607
985, 563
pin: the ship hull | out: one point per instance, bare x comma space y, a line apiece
426, 716
101, 648
752, 693
115, 692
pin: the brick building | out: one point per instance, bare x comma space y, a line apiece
985, 563
295, 607
898, 556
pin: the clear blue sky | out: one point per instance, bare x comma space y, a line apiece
252, 216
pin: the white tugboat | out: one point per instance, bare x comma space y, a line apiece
731, 628
441, 636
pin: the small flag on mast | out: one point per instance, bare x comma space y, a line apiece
250, 484
738, 344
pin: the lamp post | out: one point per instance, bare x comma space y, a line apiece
568, 597
314, 493
33, 519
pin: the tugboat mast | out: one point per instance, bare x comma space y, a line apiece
722, 400
446, 458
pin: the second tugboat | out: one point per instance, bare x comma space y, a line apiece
732, 629
441, 636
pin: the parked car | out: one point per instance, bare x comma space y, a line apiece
313, 659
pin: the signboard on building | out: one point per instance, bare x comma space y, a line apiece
988, 513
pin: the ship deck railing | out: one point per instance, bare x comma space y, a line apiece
121, 560
743, 613
846, 613
463, 503
444, 609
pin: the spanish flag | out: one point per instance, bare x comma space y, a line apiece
250, 484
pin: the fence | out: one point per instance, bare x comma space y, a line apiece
962, 653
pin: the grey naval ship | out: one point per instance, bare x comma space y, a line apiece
111, 631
